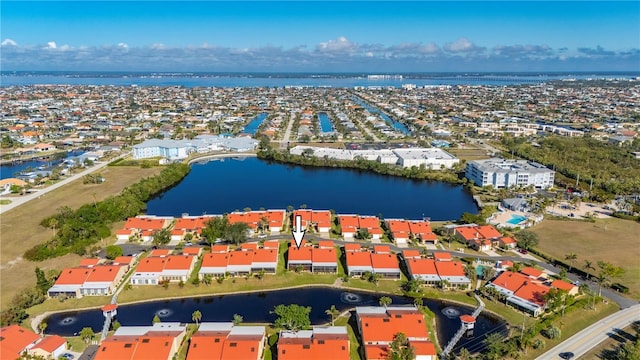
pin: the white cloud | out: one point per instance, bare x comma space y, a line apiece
460, 45
51, 45
8, 42
123, 45
341, 44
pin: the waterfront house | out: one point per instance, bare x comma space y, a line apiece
324, 260
348, 225
317, 343
299, 258
378, 327
189, 225
160, 341
142, 227
318, 220
452, 274
399, 231
386, 265
214, 264
424, 270
155, 269
87, 280
421, 231
7, 184
224, 341
358, 263
240, 262
270, 220
265, 260
521, 291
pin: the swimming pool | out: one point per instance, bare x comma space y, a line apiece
516, 219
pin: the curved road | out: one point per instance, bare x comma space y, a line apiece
580, 343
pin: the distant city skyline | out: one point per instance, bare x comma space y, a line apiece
308, 36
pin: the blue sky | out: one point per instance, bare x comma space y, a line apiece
336, 36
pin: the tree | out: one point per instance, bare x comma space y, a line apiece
87, 334
237, 232
527, 239
418, 301
215, 228
196, 316
571, 257
42, 327
115, 325
292, 317
488, 273
495, 346
385, 301
162, 236
113, 251
411, 286
464, 354
156, 319
237, 319
607, 272
363, 234
400, 349
588, 265
42, 283
333, 313
470, 271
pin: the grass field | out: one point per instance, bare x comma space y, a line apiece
469, 153
20, 229
612, 240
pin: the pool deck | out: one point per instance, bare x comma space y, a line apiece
502, 218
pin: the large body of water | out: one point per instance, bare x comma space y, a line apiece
255, 307
225, 185
282, 80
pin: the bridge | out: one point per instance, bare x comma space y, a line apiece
452, 343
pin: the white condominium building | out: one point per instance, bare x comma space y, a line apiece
501, 173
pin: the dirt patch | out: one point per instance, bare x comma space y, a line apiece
20, 227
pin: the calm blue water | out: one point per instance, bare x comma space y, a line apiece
221, 80
254, 124
516, 219
396, 125
255, 307
9, 171
325, 123
217, 187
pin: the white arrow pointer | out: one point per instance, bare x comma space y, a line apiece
297, 232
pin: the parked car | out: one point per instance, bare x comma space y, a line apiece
523, 251
262, 236
67, 356
567, 355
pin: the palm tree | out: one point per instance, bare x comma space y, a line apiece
237, 319
385, 301
333, 313
400, 349
42, 327
196, 316
571, 257
588, 265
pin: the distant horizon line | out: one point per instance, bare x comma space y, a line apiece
321, 73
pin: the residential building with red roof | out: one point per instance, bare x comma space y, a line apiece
421, 231
269, 220
358, 263
565, 286
452, 274
324, 260
192, 250
411, 254
348, 225
189, 225
521, 291
481, 238
315, 344
155, 270
243, 261
160, 341
299, 258
400, 230
352, 247
423, 269
142, 227
15, 340
50, 347
224, 341
534, 273
95, 280
378, 327
386, 265
507, 242
442, 256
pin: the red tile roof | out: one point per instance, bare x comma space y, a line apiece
50, 343
73, 276
324, 255
215, 260
450, 268
153, 347
401, 226
510, 280
562, 285
144, 223
422, 266
314, 348
376, 328
358, 258
299, 254
532, 292
179, 262
151, 265
240, 258
532, 272
352, 247
206, 345
381, 249
13, 341
384, 261
241, 348
104, 273
442, 256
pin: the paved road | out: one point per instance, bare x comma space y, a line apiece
585, 340
285, 139
17, 201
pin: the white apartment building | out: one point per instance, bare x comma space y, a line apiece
501, 173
